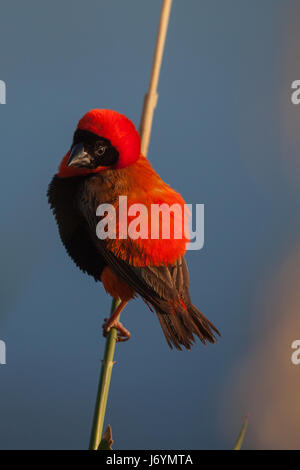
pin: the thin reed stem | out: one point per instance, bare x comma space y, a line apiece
150, 102
104, 383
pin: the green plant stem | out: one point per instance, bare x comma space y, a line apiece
240, 439
103, 387
150, 102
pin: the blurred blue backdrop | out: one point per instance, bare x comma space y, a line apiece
221, 137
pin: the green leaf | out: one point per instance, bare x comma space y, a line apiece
107, 440
241, 437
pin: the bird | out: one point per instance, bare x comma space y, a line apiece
103, 163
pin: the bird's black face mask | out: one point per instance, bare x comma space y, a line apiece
91, 151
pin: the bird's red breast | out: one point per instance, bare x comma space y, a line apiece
144, 186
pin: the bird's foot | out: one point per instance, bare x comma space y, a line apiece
123, 334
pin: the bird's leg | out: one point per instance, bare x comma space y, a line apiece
112, 322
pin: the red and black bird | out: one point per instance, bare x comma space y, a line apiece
103, 163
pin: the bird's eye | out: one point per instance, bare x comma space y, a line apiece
100, 150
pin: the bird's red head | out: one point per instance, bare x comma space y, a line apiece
103, 139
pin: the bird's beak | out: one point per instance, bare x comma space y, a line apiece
79, 157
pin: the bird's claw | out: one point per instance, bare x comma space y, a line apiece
123, 333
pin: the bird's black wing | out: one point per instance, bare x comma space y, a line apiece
72, 226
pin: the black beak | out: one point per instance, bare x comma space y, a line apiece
79, 157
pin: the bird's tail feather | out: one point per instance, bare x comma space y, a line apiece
182, 324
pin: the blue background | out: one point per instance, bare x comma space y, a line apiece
225, 134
